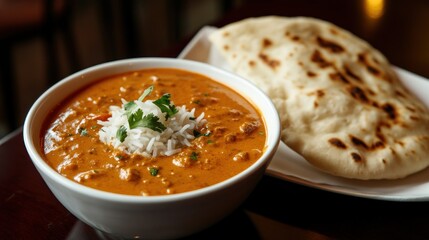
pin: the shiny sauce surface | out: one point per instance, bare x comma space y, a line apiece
233, 137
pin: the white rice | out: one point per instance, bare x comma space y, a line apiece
149, 143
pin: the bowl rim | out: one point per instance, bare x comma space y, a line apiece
43, 166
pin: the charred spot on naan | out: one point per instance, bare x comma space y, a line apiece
378, 130
411, 109
390, 110
319, 59
319, 94
364, 60
414, 118
294, 38
375, 104
266, 42
356, 157
330, 45
252, 63
372, 93
378, 145
357, 142
358, 94
337, 143
311, 74
337, 76
360, 143
272, 63
351, 74
373, 70
345, 75
400, 94
333, 31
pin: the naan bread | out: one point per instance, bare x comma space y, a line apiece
341, 105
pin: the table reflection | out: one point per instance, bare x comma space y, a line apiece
241, 224
226, 229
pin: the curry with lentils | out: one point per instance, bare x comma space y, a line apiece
230, 139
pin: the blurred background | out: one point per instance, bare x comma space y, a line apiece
43, 41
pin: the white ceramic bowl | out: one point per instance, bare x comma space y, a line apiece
153, 217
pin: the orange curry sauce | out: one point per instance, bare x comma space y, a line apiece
234, 135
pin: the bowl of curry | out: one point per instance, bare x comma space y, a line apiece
152, 147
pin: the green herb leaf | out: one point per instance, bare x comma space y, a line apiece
153, 171
135, 118
199, 134
146, 92
194, 156
130, 107
119, 157
83, 132
149, 121
121, 134
165, 105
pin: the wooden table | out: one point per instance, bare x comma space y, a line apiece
276, 209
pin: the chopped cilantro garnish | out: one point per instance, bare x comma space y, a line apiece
121, 134
165, 105
130, 107
136, 117
83, 132
199, 134
146, 92
153, 171
196, 102
119, 157
194, 156
209, 141
151, 121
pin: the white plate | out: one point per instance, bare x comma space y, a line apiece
290, 166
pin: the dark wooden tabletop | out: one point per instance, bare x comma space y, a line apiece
276, 209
